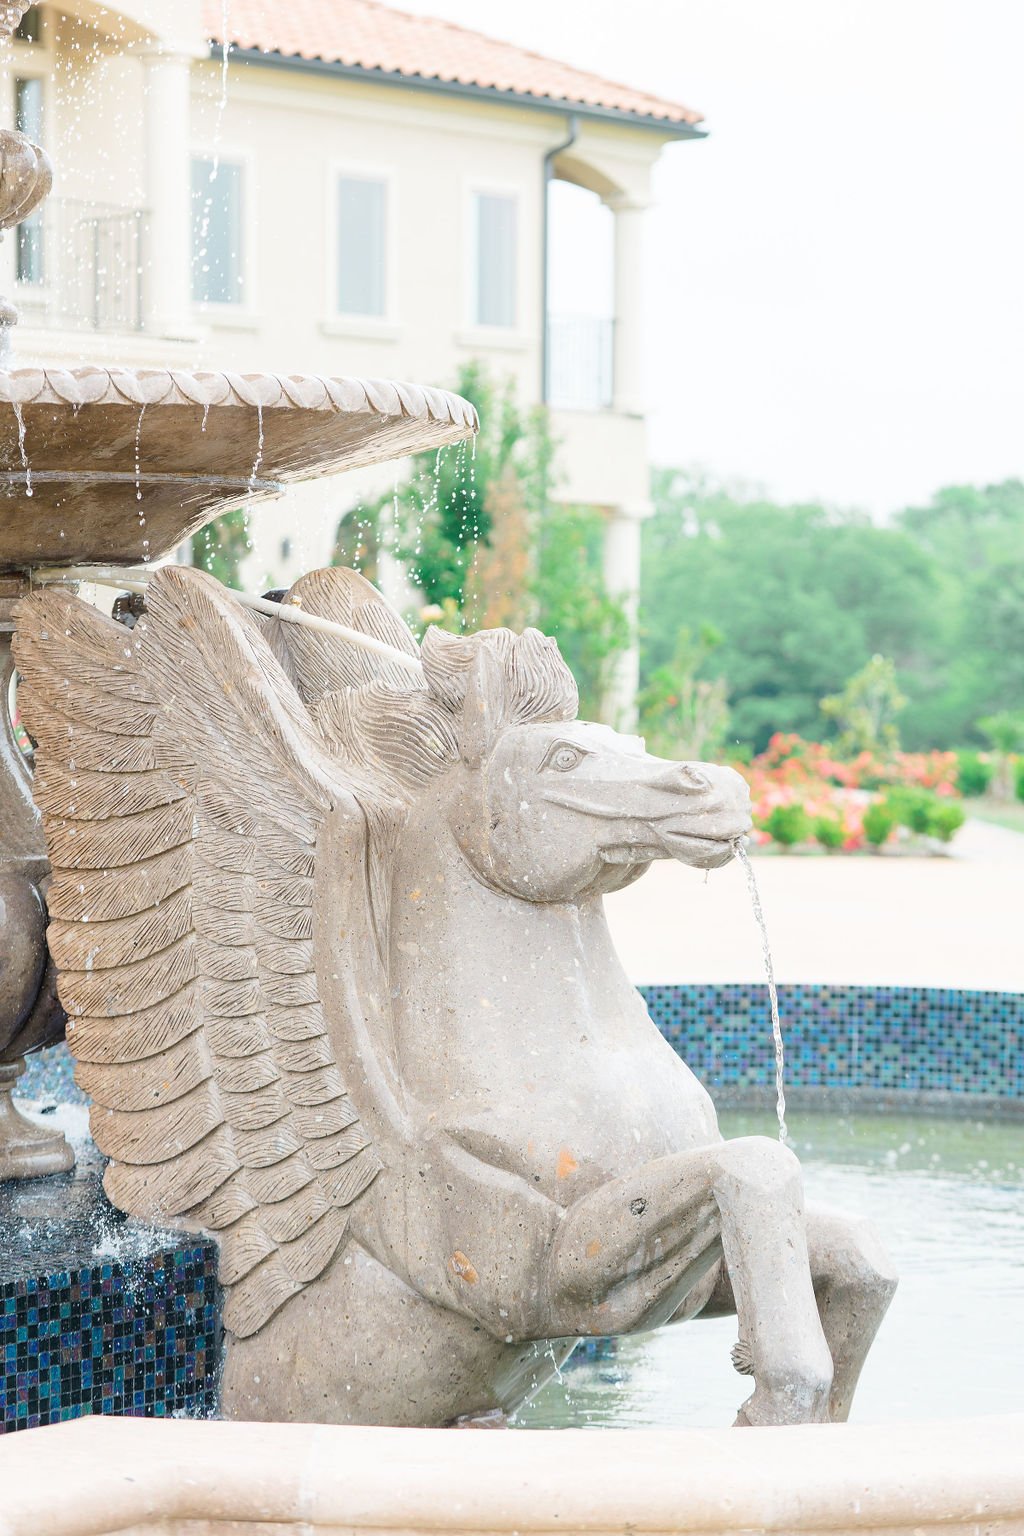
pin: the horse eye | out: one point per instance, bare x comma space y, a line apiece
564, 758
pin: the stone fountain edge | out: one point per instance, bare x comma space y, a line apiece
96, 1476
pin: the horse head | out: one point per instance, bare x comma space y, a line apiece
550, 808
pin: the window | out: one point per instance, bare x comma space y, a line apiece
28, 117
496, 263
217, 233
362, 233
28, 30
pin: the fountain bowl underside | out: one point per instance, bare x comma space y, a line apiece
112, 466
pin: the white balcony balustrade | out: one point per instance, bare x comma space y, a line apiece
579, 362
82, 266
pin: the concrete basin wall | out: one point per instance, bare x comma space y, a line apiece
94, 1477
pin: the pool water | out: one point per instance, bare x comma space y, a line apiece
947, 1197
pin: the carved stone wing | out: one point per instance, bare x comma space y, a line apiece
316, 661
182, 788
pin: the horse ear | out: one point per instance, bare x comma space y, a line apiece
485, 710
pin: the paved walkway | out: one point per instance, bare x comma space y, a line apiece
940, 922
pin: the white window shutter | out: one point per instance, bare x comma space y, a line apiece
362, 246
218, 274
496, 259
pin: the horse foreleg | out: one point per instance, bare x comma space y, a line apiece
854, 1282
635, 1247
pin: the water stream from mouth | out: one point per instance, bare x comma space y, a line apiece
773, 995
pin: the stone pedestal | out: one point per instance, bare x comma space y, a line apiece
26, 1150
30, 1015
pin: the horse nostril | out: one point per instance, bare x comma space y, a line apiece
691, 778
683, 779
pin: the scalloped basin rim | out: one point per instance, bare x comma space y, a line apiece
128, 463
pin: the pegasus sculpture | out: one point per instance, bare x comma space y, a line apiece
330, 939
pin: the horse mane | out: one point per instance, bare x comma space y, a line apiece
402, 738
405, 738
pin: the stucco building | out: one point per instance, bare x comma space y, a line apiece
360, 191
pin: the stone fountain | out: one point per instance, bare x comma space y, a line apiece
325, 918
112, 467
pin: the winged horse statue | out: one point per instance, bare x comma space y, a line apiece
330, 938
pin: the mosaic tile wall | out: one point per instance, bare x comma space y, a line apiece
100, 1313
140, 1337
911, 1039
884, 1038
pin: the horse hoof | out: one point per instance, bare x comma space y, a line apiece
494, 1418
742, 1357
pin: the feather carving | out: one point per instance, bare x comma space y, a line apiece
182, 785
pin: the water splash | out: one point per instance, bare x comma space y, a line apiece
773, 995
138, 458
19, 417
258, 460
557, 1368
222, 100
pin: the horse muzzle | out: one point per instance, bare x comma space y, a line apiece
704, 829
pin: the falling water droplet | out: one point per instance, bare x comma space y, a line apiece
19, 417
138, 456
258, 460
222, 101
773, 996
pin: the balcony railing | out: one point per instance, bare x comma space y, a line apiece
86, 264
580, 362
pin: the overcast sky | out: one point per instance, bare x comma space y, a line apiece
834, 287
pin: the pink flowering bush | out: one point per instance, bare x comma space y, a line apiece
835, 794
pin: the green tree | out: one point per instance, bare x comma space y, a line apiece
571, 600
970, 528
684, 714
803, 597
867, 709
443, 512
1004, 733
222, 546
484, 544
975, 535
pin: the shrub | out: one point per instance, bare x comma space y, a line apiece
945, 820
911, 808
879, 822
829, 832
1019, 778
924, 813
788, 824
973, 773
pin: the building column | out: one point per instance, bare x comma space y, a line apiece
168, 294
628, 390
622, 580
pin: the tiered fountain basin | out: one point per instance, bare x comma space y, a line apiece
110, 466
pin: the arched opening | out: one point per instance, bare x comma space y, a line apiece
581, 305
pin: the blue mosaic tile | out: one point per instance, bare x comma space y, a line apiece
919, 1039
98, 1313
103, 1341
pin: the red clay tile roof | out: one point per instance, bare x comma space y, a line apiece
364, 34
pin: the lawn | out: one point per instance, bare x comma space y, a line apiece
1002, 813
